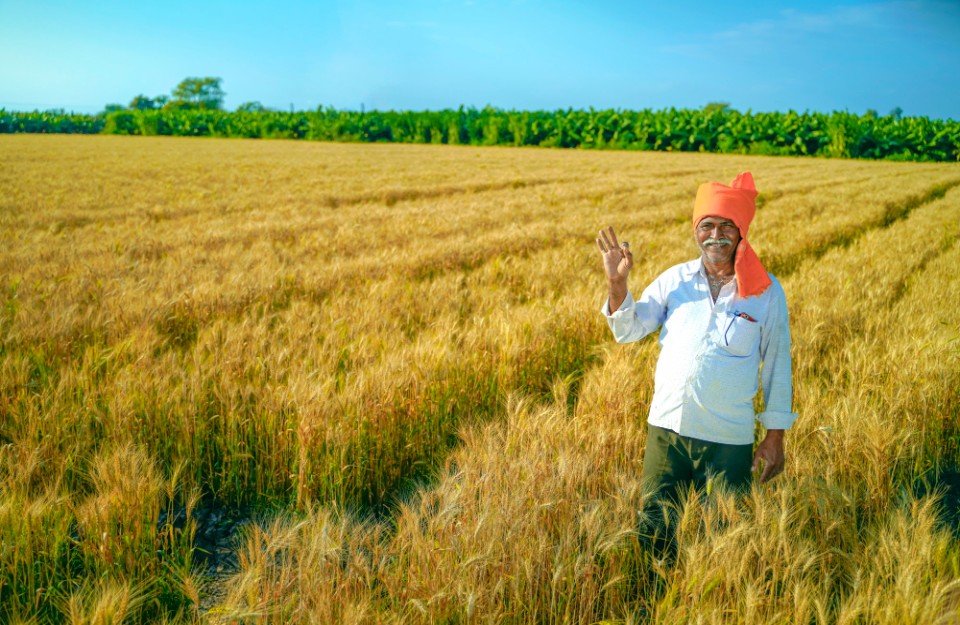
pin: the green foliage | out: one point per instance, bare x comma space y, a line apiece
121, 123
48, 122
180, 105
143, 103
199, 93
716, 128
716, 106
251, 107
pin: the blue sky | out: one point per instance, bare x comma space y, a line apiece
521, 54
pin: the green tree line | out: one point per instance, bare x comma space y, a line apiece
712, 129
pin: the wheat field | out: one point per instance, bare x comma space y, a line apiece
393, 355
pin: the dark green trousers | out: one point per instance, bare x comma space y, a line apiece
671, 463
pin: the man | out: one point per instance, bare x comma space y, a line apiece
724, 324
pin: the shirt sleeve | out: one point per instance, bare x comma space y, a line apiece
776, 373
636, 319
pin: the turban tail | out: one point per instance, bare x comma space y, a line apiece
736, 203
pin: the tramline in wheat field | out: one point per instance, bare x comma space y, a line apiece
392, 355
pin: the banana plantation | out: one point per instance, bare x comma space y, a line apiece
836, 134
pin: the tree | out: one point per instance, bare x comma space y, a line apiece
112, 108
252, 107
723, 107
143, 103
896, 112
201, 93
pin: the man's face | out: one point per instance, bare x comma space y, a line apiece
717, 238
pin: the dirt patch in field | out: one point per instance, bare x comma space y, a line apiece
217, 538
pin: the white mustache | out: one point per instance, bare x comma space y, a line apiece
720, 241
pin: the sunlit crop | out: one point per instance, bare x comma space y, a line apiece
394, 355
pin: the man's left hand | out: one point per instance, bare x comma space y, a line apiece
768, 458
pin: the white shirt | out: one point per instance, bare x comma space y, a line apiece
711, 354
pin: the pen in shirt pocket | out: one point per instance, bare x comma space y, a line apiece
734, 315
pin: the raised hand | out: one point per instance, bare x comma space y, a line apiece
617, 257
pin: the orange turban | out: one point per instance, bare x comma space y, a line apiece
736, 203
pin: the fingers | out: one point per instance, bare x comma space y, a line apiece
610, 238
771, 467
770, 471
767, 472
608, 242
613, 237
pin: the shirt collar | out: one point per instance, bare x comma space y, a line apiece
695, 267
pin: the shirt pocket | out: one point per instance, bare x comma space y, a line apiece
739, 334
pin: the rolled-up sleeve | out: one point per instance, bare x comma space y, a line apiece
634, 320
776, 372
